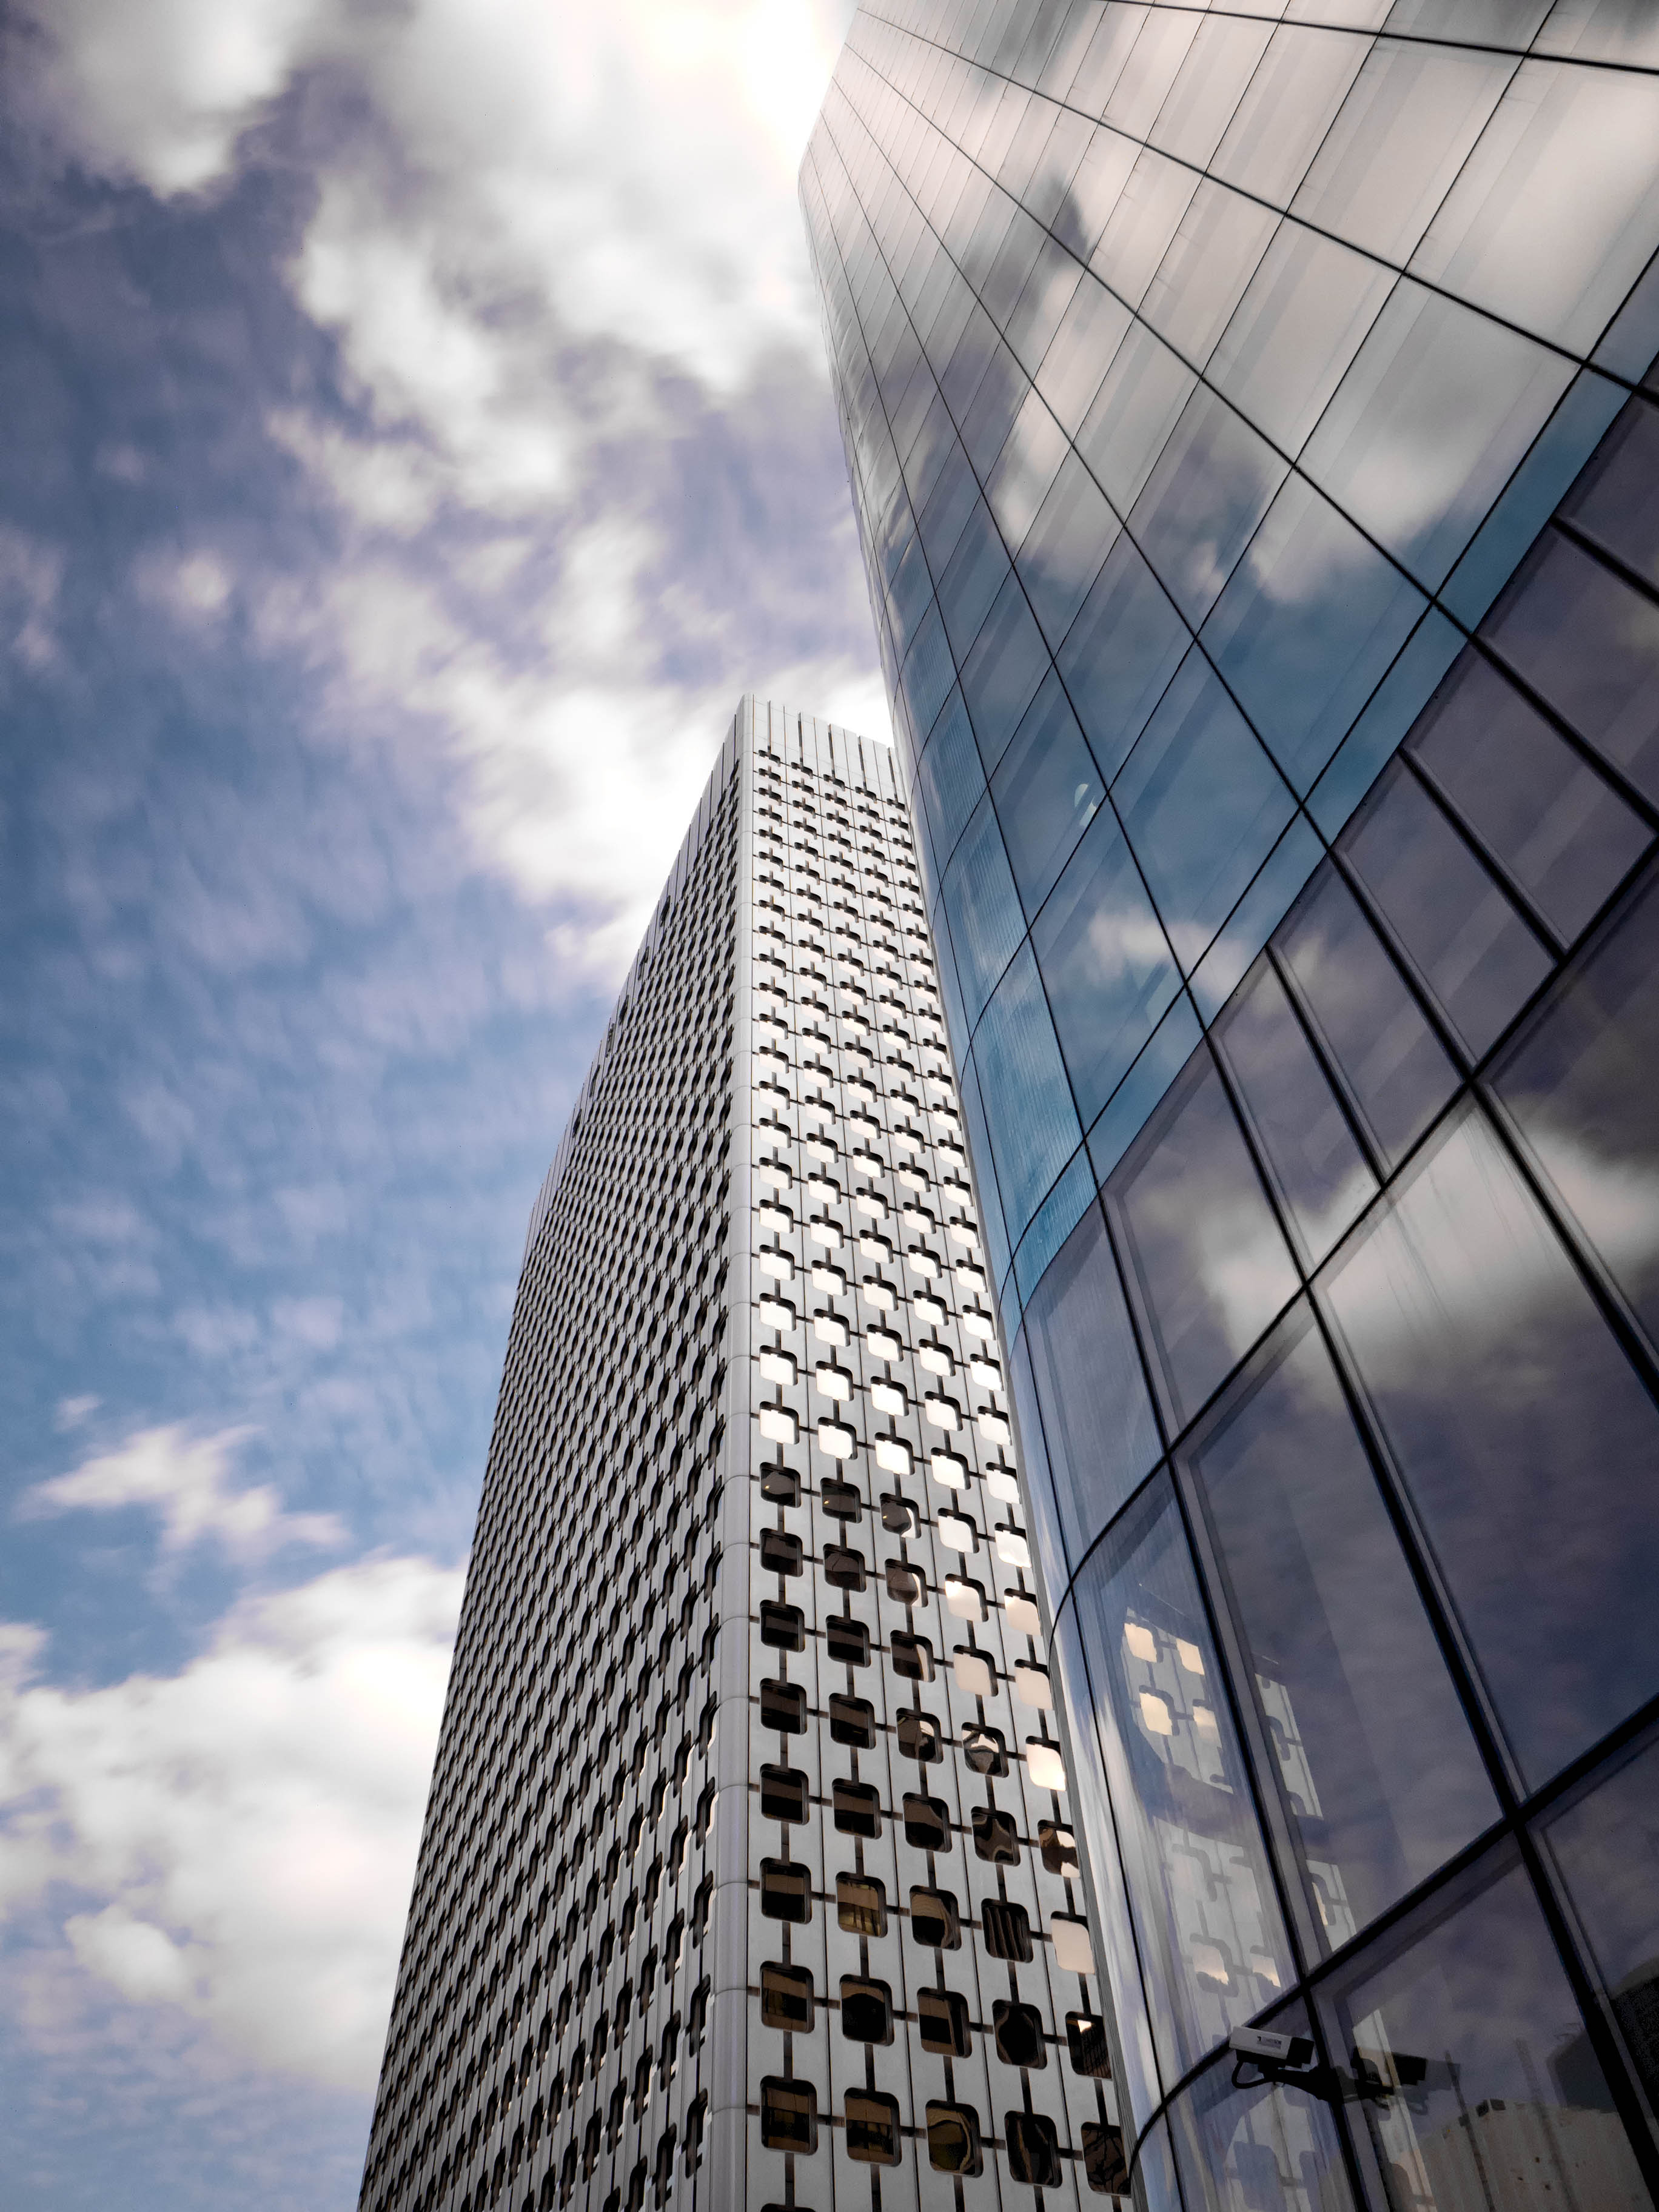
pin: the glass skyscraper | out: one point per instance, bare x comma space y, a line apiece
750, 1876
1251, 423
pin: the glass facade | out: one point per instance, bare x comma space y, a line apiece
1256, 447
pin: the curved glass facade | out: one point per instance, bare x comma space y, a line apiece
1257, 456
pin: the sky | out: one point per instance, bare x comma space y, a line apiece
416, 438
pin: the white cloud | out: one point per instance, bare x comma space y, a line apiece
185, 1481
237, 1840
31, 576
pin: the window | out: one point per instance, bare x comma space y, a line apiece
843, 1567
942, 2020
1017, 2030
852, 1720
953, 2139
780, 1485
996, 1835
860, 1904
919, 1737
780, 1552
905, 1583
1033, 2149
847, 1641
786, 1891
1085, 2039
934, 1920
1007, 1930
1059, 1848
984, 1749
912, 1656
781, 1626
873, 2128
926, 1823
866, 2010
898, 1516
787, 1998
840, 1500
789, 2115
857, 1808
783, 1707
784, 1794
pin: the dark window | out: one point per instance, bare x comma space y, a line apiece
996, 1835
852, 1720
1105, 2168
920, 1735
857, 1808
873, 2128
934, 1919
780, 1486
784, 1794
843, 1567
942, 2019
847, 1642
1033, 2149
898, 1517
780, 1552
860, 1904
782, 1626
789, 2114
786, 1890
1007, 1930
783, 1707
984, 1749
785, 1996
866, 2010
1059, 1848
1085, 2039
840, 1500
912, 1655
926, 1823
1017, 2030
905, 1583
953, 2139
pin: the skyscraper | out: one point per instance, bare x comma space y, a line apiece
1255, 443
749, 1876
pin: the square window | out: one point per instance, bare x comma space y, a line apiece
847, 1641
783, 1707
852, 1720
984, 1749
843, 1567
954, 2145
866, 2010
1059, 1848
942, 2021
934, 1919
1007, 1928
973, 1673
787, 1998
1105, 2168
780, 1552
1033, 2149
857, 1808
786, 1890
919, 1737
840, 1500
873, 2128
860, 1904
927, 1822
905, 1583
1018, 2031
1085, 2039
996, 1838
898, 1517
781, 1626
912, 1655
784, 1794
789, 2115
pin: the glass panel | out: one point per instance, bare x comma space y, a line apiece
1171, 1045
1268, 2149
1007, 662
1579, 1081
950, 778
1436, 410
1212, 485
1083, 348
1286, 109
1522, 1434
1404, 132
1201, 100
1062, 554
1300, 324
1026, 468
1135, 411
1469, 944
1046, 791
1555, 211
1200, 1241
1379, 1771
1396, 1067
1616, 499
1605, 1850
1121, 652
1211, 1944
1199, 281
983, 908
1306, 627
1105, 961
1028, 1102
1590, 644
1096, 1416
1202, 805
1564, 836
1142, 225
1485, 2093
1310, 1152
974, 575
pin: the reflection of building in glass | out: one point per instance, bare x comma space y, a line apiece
749, 1876
1256, 454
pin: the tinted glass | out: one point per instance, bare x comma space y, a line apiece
1378, 1769
1047, 791
1310, 1151
1616, 499
1468, 942
1522, 1432
1096, 1416
1028, 1102
1589, 643
1269, 2148
1564, 835
1605, 1850
1119, 654
1199, 1888
1106, 964
1464, 2025
950, 779
1211, 486
1397, 1072
1008, 661
983, 908
1063, 550
1579, 1081
1204, 1253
